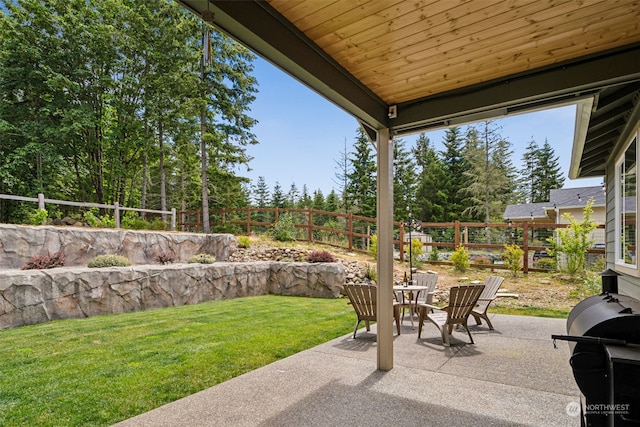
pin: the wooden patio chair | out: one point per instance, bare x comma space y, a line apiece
363, 298
491, 286
462, 299
426, 279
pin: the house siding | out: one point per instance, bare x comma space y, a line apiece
628, 284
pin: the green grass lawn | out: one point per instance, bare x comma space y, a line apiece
101, 370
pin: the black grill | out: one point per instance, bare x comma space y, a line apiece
604, 339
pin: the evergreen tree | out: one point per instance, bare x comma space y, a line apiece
278, 198
541, 172
430, 195
292, 196
261, 193
404, 183
333, 202
529, 173
492, 177
305, 200
550, 171
362, 185
454, 165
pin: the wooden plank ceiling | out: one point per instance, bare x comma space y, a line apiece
405, 50
440, 63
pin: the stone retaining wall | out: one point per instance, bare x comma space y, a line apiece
18, 244
36, 296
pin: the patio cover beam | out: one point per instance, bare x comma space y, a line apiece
560, 84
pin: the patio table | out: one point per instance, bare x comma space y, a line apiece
411, 293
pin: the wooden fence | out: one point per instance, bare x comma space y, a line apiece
41, 201
352, 232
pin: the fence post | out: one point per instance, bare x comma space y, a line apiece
116, 213
248, 221
456, 238
40, 201
350, 232
309, 225
173, 219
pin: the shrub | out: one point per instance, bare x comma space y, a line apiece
284, 230
460, 259
93, 220
373, 249
45, 261
202, 259
434, 255
546, 263
102, 261
512, 257
165, 257
590, 285
39, 217
416, 251
320, 256
244, 241
575, 240
370, 272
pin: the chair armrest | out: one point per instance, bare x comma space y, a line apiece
433, 307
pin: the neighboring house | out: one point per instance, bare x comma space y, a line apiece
561, 201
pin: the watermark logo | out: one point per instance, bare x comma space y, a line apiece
573, 409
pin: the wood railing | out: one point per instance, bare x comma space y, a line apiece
354, 233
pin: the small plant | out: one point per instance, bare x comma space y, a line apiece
284, 230
165, 257
102, 261
202, 259
244, 242
460, 259
416, 251
434, 255
590, 285
546, 264
512, 257
575, 240
93, 220
321, 256
39, 217
373, 249
43, 262
370, 272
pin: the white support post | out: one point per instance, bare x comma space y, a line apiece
40, 201
173, 219
384, 324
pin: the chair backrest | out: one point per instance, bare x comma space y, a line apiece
426, 279
462, 299
363, 298
491, 286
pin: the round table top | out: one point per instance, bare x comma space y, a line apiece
410, 288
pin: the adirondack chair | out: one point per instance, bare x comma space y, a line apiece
491, 286
363, 298
426, 279
462, 299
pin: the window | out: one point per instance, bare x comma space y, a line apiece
626, 203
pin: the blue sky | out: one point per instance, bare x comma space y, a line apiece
302, 135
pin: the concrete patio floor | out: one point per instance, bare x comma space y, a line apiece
511, 376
